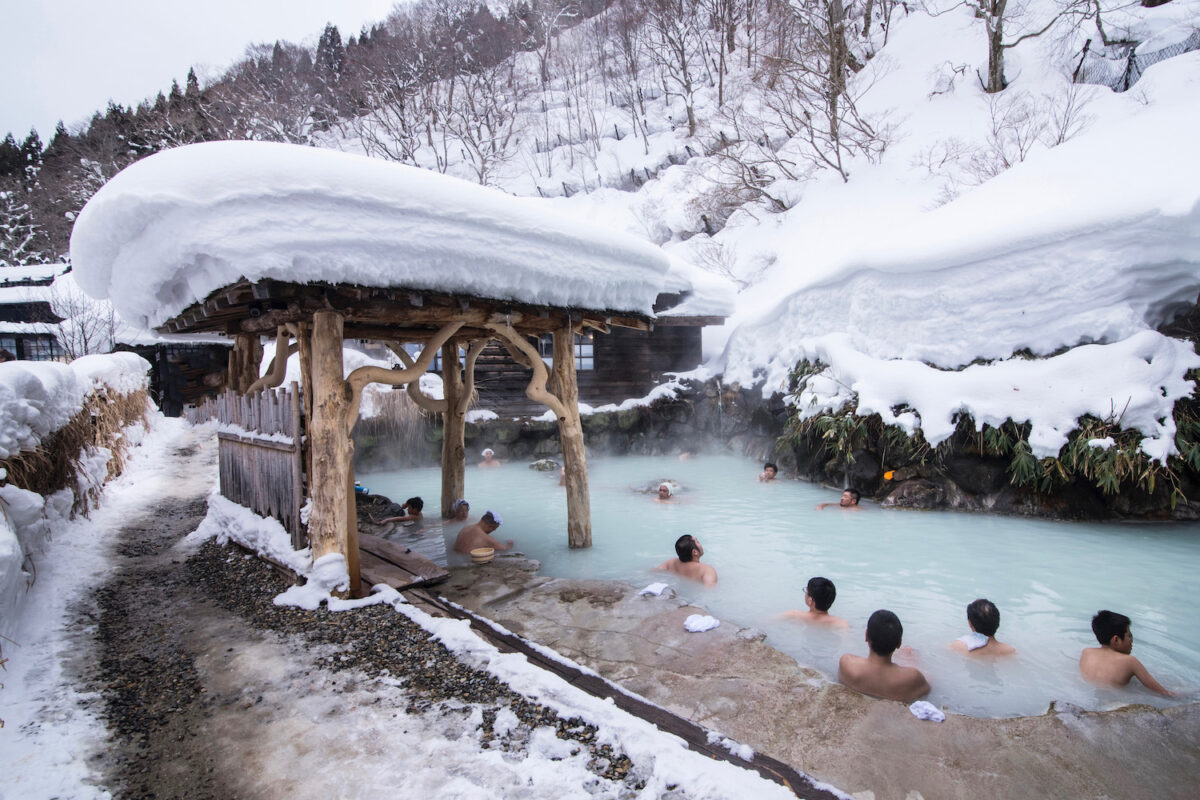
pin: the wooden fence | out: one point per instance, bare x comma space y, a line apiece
261, 453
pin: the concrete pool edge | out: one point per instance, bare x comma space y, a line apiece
731, 681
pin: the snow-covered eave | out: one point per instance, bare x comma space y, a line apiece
170, 230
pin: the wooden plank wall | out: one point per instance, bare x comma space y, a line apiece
261, 454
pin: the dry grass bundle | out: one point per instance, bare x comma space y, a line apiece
398, 418
56, 462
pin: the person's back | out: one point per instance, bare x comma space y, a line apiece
984, 619
876, 675
1112, 663
819, 595
478, 534
687, 563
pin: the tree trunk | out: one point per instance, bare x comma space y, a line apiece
454, 454
570, 431
331, 476
995, 31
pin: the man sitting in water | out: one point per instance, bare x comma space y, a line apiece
664, 493
819, 595
984, 619
688, 549
489, 458
412, 513
479, 534
459, 510
849, 501
769, 472
1111, 664
876, 675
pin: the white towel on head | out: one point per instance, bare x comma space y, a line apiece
654, 589
923, 709
698, 623
973, 640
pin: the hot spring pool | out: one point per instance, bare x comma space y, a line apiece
766, 540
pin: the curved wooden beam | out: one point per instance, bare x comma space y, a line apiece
394, 377
536, 390
473, 352
413, 388
278, 369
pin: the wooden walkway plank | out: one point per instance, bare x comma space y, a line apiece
424, 571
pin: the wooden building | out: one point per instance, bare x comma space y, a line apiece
29, 326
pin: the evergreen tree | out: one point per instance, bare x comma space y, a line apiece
193, 84
31, 158
18, 232
10, 156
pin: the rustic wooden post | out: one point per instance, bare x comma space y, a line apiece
454, 453
304, 340
570, 432
244, 361
331, 446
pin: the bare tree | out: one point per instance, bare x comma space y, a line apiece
484, 119
88, 326
675, 45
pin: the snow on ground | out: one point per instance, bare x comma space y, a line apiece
49, 730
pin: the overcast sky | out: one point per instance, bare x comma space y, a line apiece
64, 59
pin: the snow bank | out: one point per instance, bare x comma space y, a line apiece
37, 399
228, 521
1094, 242
171, 228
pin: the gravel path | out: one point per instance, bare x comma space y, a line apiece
188, 644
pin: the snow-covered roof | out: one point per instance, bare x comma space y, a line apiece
30, 272
173, 228
705, 294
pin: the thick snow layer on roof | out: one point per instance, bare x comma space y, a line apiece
172, 228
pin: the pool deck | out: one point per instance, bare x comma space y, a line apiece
729, 680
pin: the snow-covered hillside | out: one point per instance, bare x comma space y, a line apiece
1053, 220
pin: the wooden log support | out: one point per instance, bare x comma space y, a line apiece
245, 360
570, 431
579, 520
454, 414
454, 452
277, 370
331, 446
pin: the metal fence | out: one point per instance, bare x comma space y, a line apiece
1121, 72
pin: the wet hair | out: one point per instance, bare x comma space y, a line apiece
853, 493
984, 617
884, 632
822, 592
769, 465
684, 546
415, 503
1107, 624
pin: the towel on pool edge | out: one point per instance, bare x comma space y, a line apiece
923, 709
698, 623
654, 589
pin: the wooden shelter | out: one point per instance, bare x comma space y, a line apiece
315, 246
315, 320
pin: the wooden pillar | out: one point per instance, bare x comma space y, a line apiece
331, 474
245, 360
454, 452
304, 342
570, 431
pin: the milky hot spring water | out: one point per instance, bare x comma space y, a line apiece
767, 540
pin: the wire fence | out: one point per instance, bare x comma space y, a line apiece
1122, 71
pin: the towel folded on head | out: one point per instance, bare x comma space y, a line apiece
654, 589
698, 623
923, 709
973, 640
